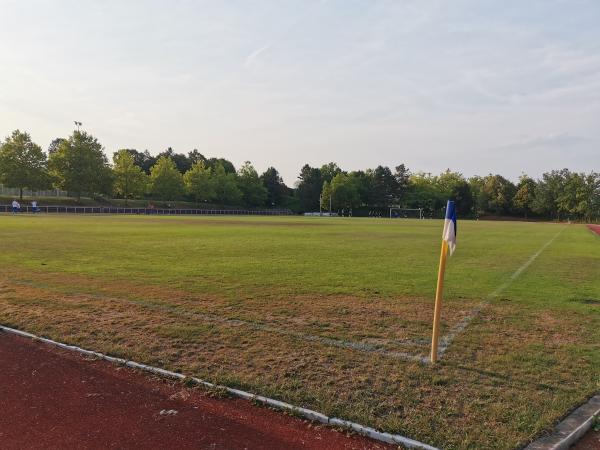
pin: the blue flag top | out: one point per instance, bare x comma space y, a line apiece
449, 233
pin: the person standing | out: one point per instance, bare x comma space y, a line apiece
15, 206
34, 207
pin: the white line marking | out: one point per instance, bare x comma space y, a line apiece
446, 340
364, 347
307, 413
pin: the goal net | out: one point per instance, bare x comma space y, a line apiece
406, 213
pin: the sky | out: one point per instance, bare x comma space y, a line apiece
476, 86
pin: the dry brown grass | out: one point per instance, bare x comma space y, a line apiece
218, 340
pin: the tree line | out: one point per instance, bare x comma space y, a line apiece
78, 164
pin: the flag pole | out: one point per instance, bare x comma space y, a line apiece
437, 312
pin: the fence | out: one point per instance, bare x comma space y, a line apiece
116, 210
14, 192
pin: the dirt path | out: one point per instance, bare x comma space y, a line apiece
51, 398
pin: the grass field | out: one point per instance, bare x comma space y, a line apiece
328, 313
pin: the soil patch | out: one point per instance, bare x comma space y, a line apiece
52, 398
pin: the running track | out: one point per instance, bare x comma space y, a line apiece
52, 398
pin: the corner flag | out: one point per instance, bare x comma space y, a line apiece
448, 246
449, 233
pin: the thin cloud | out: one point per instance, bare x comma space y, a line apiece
561, 140
255, 54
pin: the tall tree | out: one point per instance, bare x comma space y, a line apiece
130, 180
547, 192
364, 182
276, 188
452, 185
253, 191
195, 156
329, 171
424, 192
226, 188
497, 192
309, 188
402, 177
79, 165
166, 182
326, 199
199, 182
144, 160
181, 161
54, 145
524, 197
384, 187
22, 163
344, 192
228, 166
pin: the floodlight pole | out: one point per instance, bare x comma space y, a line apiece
320, 204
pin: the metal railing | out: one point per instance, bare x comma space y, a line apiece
154, 211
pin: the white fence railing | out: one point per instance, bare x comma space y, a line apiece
156, 211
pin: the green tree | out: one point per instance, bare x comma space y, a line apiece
166, 181
309, 188
226, 188
130, 181
326, 199
22, 163
54, 145
199, 182
329, 171
79, 165
227, 165
452, 185
547, 191
181, 161
276, 188
384, 187
402, 177
497, 194
525, 195
424, 192
364, 183
144, 160
343, 190
253, 191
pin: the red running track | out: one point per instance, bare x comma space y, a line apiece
595, 228
51, 398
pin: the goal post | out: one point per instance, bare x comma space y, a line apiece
406, 213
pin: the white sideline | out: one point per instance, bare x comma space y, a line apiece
351, 345
446, 340
306, 413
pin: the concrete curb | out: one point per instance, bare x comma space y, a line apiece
306, 413
570, 429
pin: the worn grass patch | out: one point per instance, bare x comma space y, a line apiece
319, 313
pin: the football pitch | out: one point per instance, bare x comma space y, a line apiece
332, 314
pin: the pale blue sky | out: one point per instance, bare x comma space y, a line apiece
477, 86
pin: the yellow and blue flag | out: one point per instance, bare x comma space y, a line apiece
449, 233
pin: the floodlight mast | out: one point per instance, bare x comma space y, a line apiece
321, 204
77, 124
